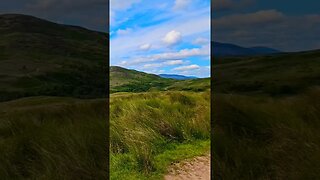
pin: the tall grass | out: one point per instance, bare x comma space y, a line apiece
145, 126
266, 138
53, 138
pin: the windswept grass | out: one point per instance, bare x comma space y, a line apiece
150, 130
53, 138
266, 138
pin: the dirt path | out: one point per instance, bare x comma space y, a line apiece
194, 169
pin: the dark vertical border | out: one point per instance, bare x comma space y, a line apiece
108, 89
211, 88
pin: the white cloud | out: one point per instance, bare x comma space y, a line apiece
201, 41
182, 54
145, 47
187, 68
163, 64
174, 62
124, 31
152, 66
180, 4
172, 37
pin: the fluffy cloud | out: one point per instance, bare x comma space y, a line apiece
172, 37
187, 68
182, 54
163, 64
174, 62
145, 47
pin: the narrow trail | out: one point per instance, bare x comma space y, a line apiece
194, 169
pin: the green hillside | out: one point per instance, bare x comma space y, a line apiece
196, 85
39, 57
266, 117
53, 138
125, 80
277, 75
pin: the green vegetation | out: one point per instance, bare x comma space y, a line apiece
266, 117
148, 131
125, 80
274, 75
53, 138
53, 119
196, 85
43, 58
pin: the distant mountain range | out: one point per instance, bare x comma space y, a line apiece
176, 76
226, 49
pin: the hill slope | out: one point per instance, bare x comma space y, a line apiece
276, 75
266, 115
39, 57
125, 80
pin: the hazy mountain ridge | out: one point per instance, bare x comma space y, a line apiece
227, 49
177, 76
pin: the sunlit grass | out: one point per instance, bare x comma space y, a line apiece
150, 130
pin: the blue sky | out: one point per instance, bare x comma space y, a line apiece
161, 36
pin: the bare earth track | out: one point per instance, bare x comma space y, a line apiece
194, 169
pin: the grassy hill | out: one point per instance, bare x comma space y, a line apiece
44, 137
275, 75
53, 138
196, 85
39, 57
125, 80
266, 117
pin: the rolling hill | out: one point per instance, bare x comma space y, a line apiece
265, 116
126, 80
39, 57
276, 75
